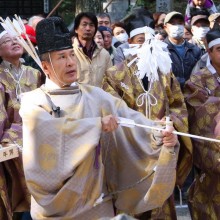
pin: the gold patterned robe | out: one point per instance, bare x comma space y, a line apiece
14, 196
202, 95
73, 170
121, 82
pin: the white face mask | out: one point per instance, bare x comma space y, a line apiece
123, 37
200, 32
176, 31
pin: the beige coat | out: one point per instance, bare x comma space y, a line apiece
91, 71
68, 161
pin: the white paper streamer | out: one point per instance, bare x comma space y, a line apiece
16, 29
150, 57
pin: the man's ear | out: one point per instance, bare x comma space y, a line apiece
46, 68
129, 40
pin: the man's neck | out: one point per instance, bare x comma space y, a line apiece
176, 41
85, 43
14, 62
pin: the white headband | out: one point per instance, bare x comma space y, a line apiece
136, 32
141, 30
214, 42
3, 33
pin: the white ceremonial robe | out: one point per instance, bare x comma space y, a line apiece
73, 169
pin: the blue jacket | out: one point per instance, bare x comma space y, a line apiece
182, 67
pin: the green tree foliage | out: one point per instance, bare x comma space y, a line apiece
69, 8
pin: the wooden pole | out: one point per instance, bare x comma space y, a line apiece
55, 8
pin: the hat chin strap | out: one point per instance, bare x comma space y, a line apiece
64, 84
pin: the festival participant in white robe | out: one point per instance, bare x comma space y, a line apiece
78, 162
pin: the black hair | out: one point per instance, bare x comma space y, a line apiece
104, 15
199, 11
100, 33
44, 57
88, 15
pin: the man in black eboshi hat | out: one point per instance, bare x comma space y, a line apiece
202, 93
71, 170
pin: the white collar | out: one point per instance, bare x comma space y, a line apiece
49, 84
209, 66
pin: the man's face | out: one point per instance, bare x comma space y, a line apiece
200, 28
64, 63
175, 28
199, 3
104, 22
138, 39
86, 29
107, 39
214, 55
10, 48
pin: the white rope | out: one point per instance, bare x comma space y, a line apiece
130, 123
18, 86
146, 94
150, 99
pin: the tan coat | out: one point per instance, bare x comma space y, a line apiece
69, 161
91, 71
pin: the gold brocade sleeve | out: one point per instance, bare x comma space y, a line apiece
179, 116
202, 94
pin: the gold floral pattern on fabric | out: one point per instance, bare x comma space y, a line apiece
112, 83
177, 107
10, 132
202, 95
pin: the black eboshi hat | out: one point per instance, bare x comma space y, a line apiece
52, 35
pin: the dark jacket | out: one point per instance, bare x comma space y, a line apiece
182, 67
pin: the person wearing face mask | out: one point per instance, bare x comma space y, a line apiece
183, 54
202, 96
136, 37
152, 98
70, 152
119, 32
200, 27
134, 24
